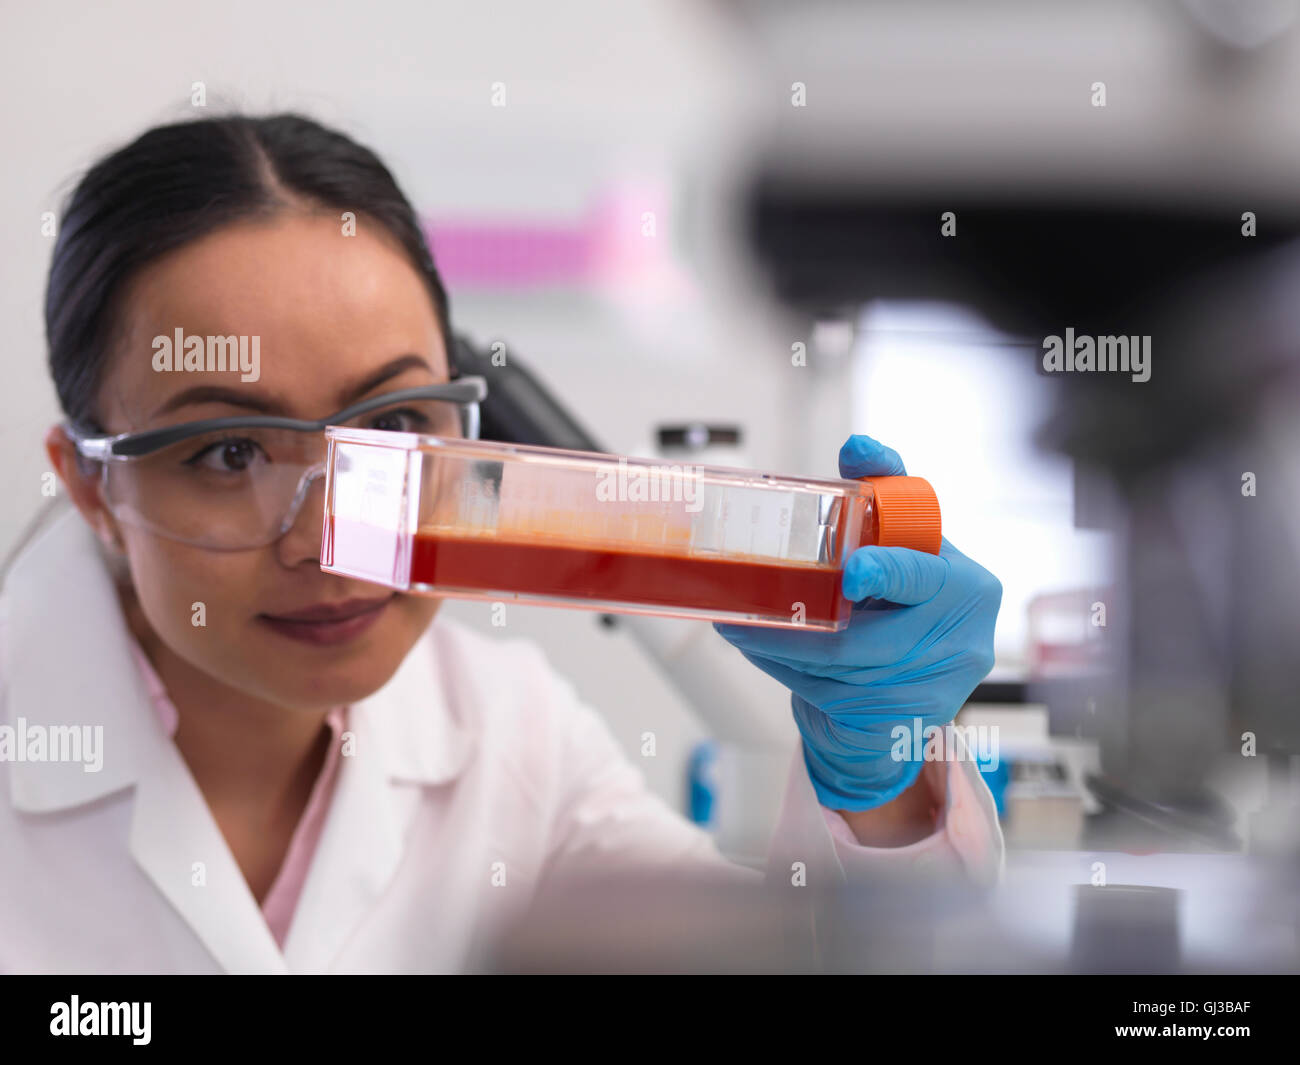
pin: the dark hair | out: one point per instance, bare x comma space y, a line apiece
176, 183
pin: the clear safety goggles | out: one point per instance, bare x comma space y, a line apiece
230, 484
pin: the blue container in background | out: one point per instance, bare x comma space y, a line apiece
997, 781
702, 782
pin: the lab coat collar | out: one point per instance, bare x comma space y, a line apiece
67, 661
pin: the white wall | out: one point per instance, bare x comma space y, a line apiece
955, 398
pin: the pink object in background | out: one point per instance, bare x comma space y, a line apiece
623, 242
477, 255
1067, 632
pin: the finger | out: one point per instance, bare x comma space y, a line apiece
895, 574
847, 669
878, 632
872, 640
861, 456
861, 742
788, 644
831, 693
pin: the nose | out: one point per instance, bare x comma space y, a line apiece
300, 532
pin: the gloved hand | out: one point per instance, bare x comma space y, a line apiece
920, 638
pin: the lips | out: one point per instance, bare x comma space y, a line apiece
328, 624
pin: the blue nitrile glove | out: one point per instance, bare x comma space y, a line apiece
919, 639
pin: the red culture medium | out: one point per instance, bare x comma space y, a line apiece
652, 579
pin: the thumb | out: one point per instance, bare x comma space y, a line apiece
861, 456
895, 574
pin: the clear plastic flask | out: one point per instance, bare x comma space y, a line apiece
509, 522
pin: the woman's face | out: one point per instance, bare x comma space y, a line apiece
340, 318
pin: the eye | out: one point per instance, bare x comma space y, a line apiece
403, 420
227, 456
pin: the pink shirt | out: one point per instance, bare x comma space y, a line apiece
282, 899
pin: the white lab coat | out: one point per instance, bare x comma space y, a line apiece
475, 753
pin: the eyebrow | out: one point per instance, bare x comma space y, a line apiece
241, 397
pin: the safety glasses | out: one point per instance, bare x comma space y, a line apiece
231, 484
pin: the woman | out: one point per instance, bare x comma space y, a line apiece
283, 770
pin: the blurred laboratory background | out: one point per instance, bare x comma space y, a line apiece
738, 231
